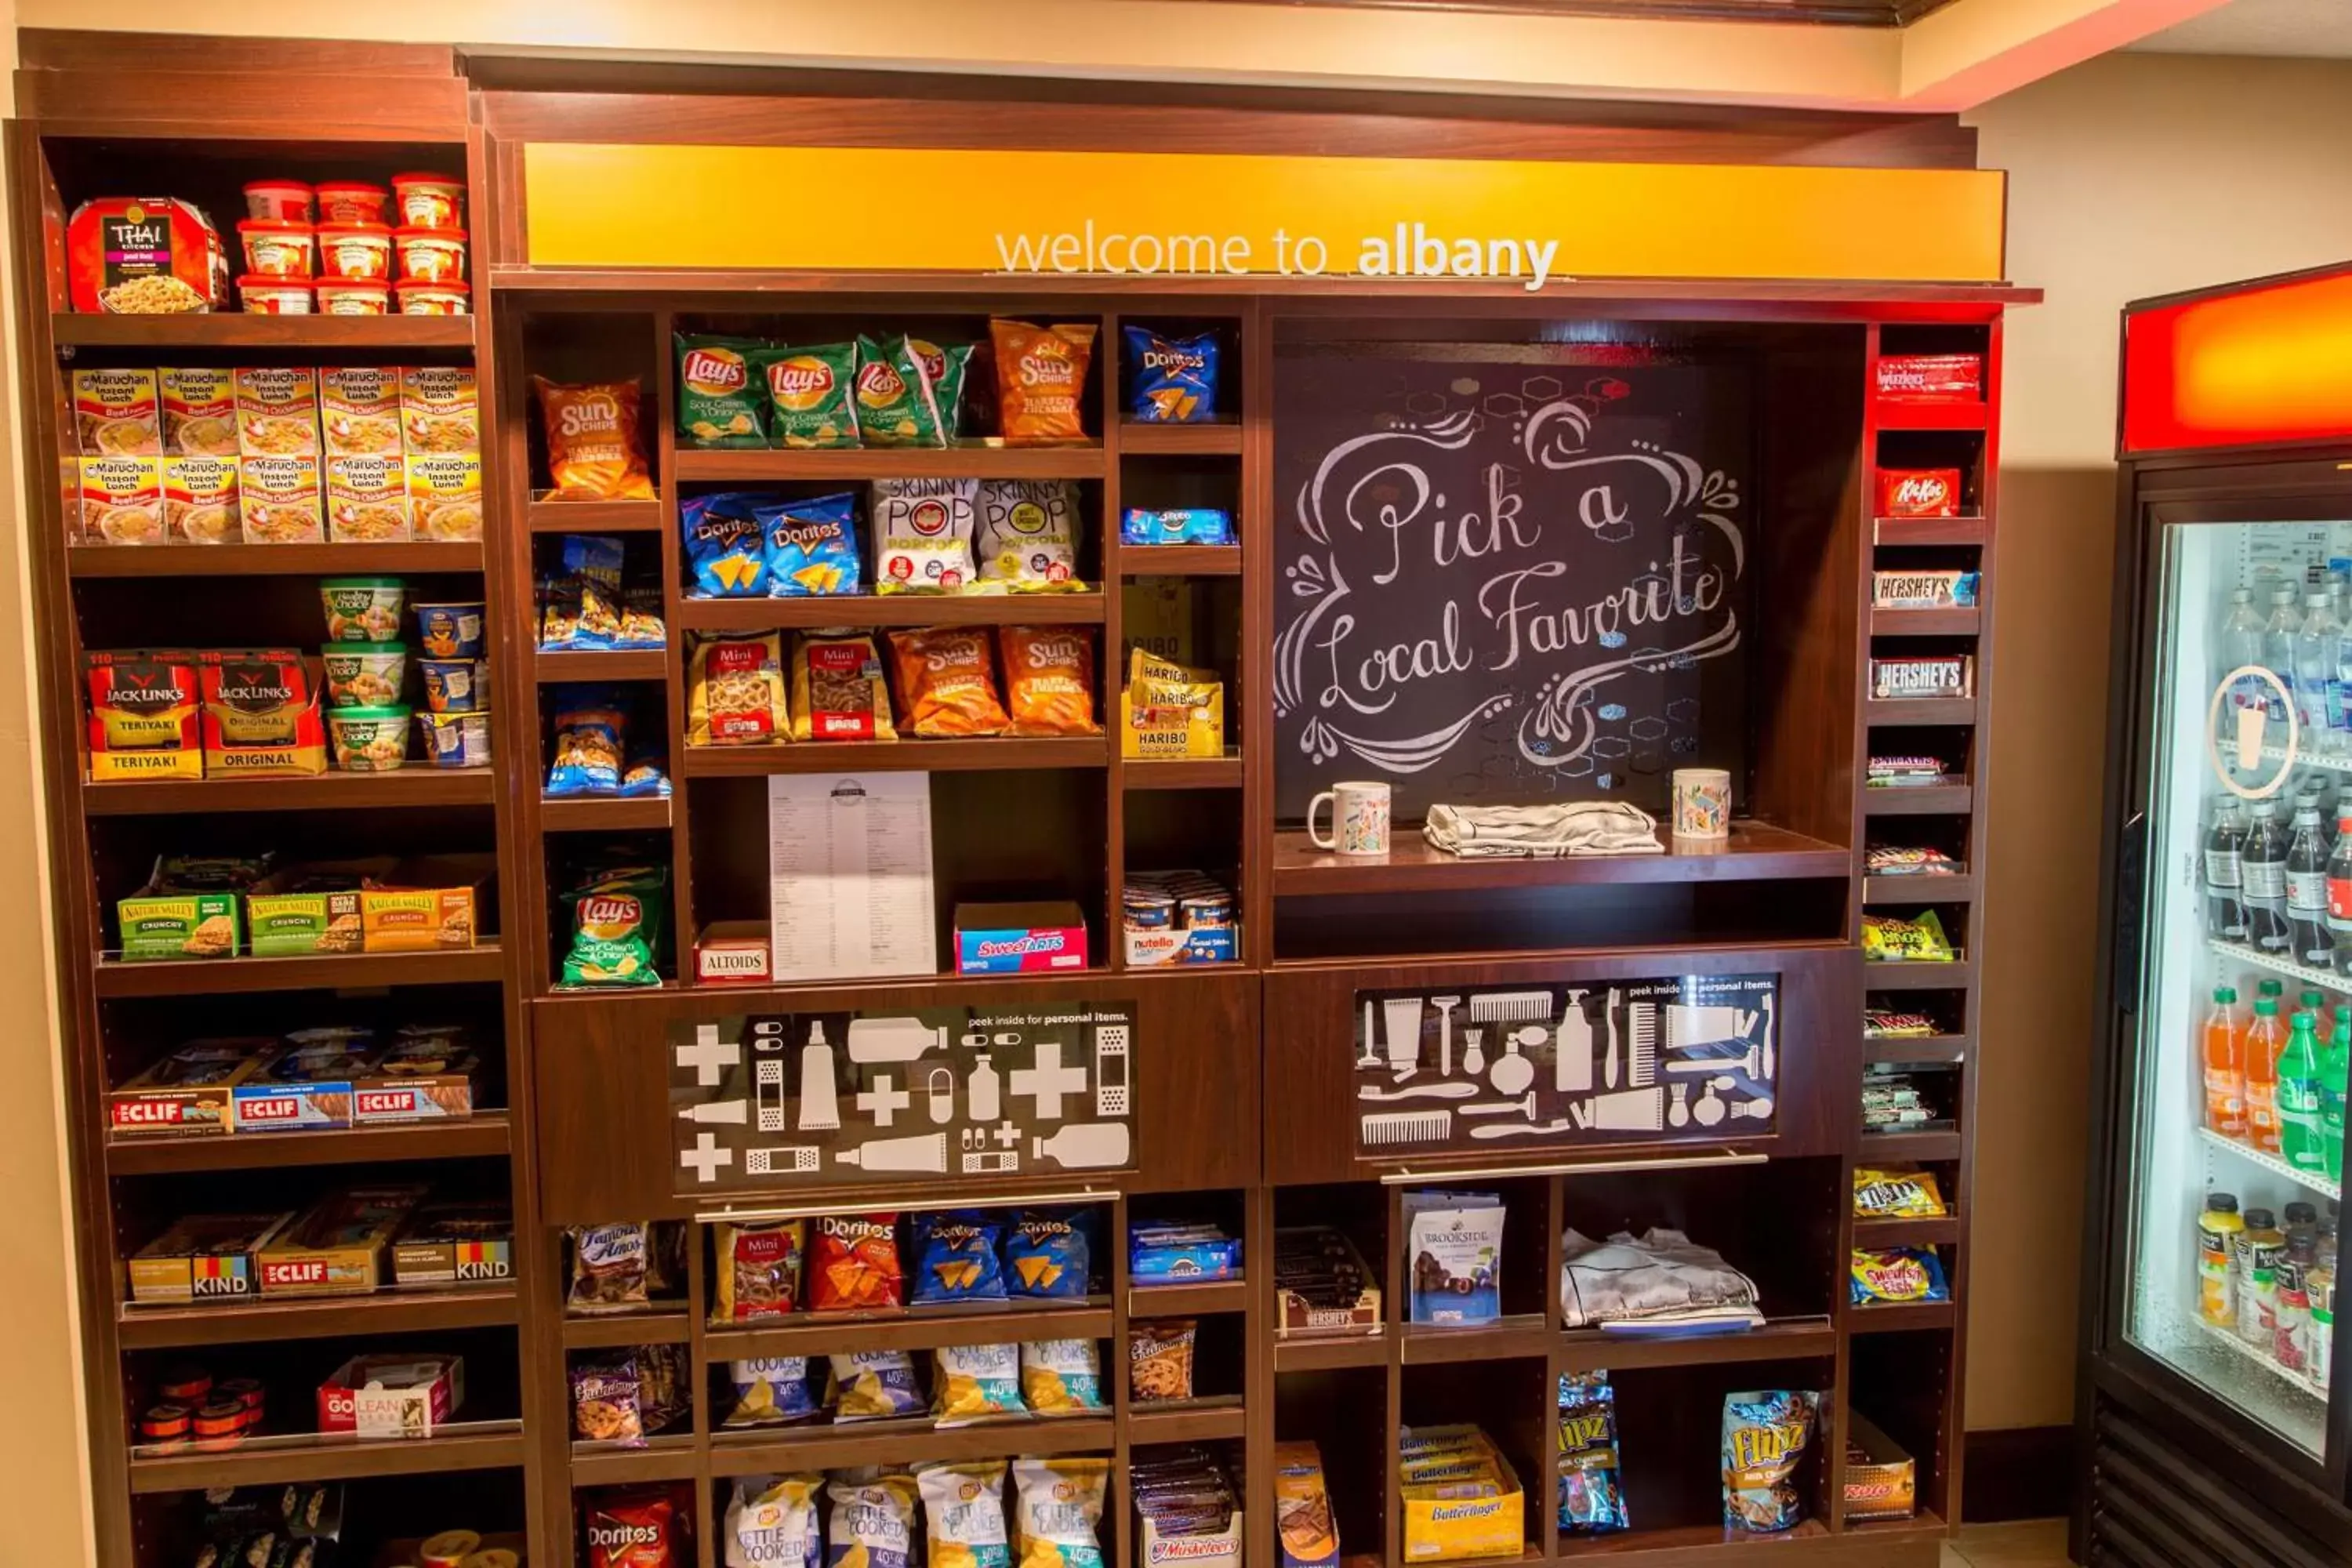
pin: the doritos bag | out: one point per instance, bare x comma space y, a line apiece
893, 398
723, 545
1049, 680
633, 1529
811, 546
956, 1258
853, 1263
1027, 535
1045, 1255
946, 681
1041, 380
1169, 381
593, 452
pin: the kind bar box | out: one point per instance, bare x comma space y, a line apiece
188, 1094
205, 1258
1019, 939
1881, 1481
732, 952
455, 1244
392, 1395
337, 1247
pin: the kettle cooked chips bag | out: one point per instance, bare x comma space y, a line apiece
969, 1382
1061, 1377
773, 1523
1060, 1502
873, 1523
964, 1514
869, 1385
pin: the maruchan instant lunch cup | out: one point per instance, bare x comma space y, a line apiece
277, 247
361, 250
368, 740
354, 297
289, 201
347, 201
274, 296
433, 299
428, 200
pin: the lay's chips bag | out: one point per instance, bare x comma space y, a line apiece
893, 398
773, 1523
946, 368
719, 398
964, 1514
971, 1382
1061, 1377
873, 1523
809, 395
1061, 1500
869, 1385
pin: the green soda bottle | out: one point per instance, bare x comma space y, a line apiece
2335, 1070
2301, 1143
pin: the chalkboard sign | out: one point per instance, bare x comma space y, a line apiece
1510, 574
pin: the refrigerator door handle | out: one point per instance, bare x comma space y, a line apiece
2131, 897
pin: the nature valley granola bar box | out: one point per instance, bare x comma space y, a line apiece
430, 904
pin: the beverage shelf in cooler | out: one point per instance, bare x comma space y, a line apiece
2229, 1340
2327, 979
2305, 759
2332, 1190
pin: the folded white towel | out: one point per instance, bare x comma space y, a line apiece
1582, 828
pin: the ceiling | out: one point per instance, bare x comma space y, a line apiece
2310, 28
1835, 13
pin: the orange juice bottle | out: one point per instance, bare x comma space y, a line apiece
2225, 1065
2264, 1040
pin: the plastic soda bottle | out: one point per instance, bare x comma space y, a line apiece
2225, 879
2225, 1066
2265, 1041
2217, 1234
2335, 1070
2297, 1096
2306, 891
2262, 862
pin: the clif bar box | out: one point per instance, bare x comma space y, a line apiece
1943, 675
337, 1247
188, 1094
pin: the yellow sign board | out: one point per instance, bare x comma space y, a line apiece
1158, 214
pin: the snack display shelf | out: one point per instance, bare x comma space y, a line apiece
409, 786
1181, 561
411, 556
601, 663
499, 1447
316, 1317
1187, 1421
1755, 851
1920, 974
1682, 1547
229, 328
670, 1457
1890, 415
1903, 1318
891, 610
1206, 437
896, 756
338, 972
1187, 1300
1928, 530
603, 814
1918, 1048
608, 1331
472, 1137
1919, 800
2307, 1179
2237, 953
780, 465
817, 1334
1320, 1355
1912, 711
1781, 1339
1957, 888
1506, 1338
1910, 1146
1183, 773
1921, 1232
1949, 622
847, 1446
597, 516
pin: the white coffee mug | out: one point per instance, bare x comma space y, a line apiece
1359, 819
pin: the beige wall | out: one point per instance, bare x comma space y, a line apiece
2133, 175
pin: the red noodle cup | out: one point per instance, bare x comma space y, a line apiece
289, 200
274, 296
347, 201
429, 201
277, 247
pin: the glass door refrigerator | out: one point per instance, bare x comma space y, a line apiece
2211, 1426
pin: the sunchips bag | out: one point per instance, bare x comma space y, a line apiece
946, 681
724, 547
617, 919
593, 452
1027, 535
809, 395
721, 395
1041, 380
964, 1514
1049, 680
893, 398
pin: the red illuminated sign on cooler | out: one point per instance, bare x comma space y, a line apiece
2270, 363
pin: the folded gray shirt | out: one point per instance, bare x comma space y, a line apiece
1657, 1278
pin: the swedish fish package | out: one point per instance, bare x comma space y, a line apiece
972, 1381
963, 1515
956, 1255
1060, 1502
1045, 1255
1061, 1377
873, 1522
773, 1523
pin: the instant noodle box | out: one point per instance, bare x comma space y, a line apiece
336, 1246
205, 1258
1019, 939
188, 1094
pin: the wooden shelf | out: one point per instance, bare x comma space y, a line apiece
1940, 623
603, 814
844, 1446
891, 610
601, 663
612, 1331
1927, 531
1510, 1338
1187, 1421
1179, 561
1907, 1148
1792, 1339
597, 516
670, 1457
1327, 1354
1207, 438
1918, 974
1918, 800
896, 756
1922, 1232
467, 1137
1956, 888
1911, 710
1188, 1301
822, 1333
316, 1317
1925, 1049
1183, 773
1688, 1546
1893, 414
359, 971
1753, 852
409, 558
419, 784
1901, 1318
326, 1459
779, 465
227, 329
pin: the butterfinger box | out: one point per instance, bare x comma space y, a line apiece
337, 1247
1439, 1524
205, 1258
188, 1094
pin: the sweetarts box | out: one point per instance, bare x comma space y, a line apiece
1019, 939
